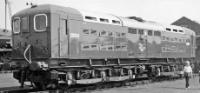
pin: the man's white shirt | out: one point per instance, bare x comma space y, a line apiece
187, 69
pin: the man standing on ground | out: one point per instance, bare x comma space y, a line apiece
187, 73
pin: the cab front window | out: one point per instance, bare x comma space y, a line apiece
24, 24
40, 22
16, 25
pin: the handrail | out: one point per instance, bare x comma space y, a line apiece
25, 51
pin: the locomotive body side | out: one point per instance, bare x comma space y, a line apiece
69, 36
98, 41
144, 39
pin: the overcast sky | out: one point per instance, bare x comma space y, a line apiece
162, 11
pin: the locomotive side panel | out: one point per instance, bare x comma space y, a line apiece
154, 44
189, 46
137, 43
97, 41
144, 39
176, 45
144, 43
170, 48
193, 43
68, 35
54, 35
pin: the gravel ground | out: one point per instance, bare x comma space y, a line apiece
7, 80
177, 86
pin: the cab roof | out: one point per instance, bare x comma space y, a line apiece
46, 9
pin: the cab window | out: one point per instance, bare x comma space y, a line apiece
16, 25
24, 24
40, 22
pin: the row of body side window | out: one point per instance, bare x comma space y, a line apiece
103, 33
170, 39
97, 47
118, 34
156, 33
142, 32
101, 19
132, 31
174, 30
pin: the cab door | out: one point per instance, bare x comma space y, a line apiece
63, 39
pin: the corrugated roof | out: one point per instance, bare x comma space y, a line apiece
144, 25
98, 16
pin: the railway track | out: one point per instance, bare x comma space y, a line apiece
91, 87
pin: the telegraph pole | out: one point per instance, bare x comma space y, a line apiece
6, 14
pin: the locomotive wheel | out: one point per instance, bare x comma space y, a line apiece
85, 76
53, 84
42, 86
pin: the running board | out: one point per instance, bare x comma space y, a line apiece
121, 78
97, 80
89, 81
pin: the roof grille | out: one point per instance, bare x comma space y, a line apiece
139, 19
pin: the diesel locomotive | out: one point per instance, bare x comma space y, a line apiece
54, 44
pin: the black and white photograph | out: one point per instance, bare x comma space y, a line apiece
99, 46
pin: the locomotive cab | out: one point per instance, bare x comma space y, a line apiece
31, 30
41, 38
41, 33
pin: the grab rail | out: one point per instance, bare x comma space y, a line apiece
25, 51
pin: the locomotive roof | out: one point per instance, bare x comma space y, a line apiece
178, 28
145, 25
99, 18
189, 31
48, 8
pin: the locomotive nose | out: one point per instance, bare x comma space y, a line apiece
30, 30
